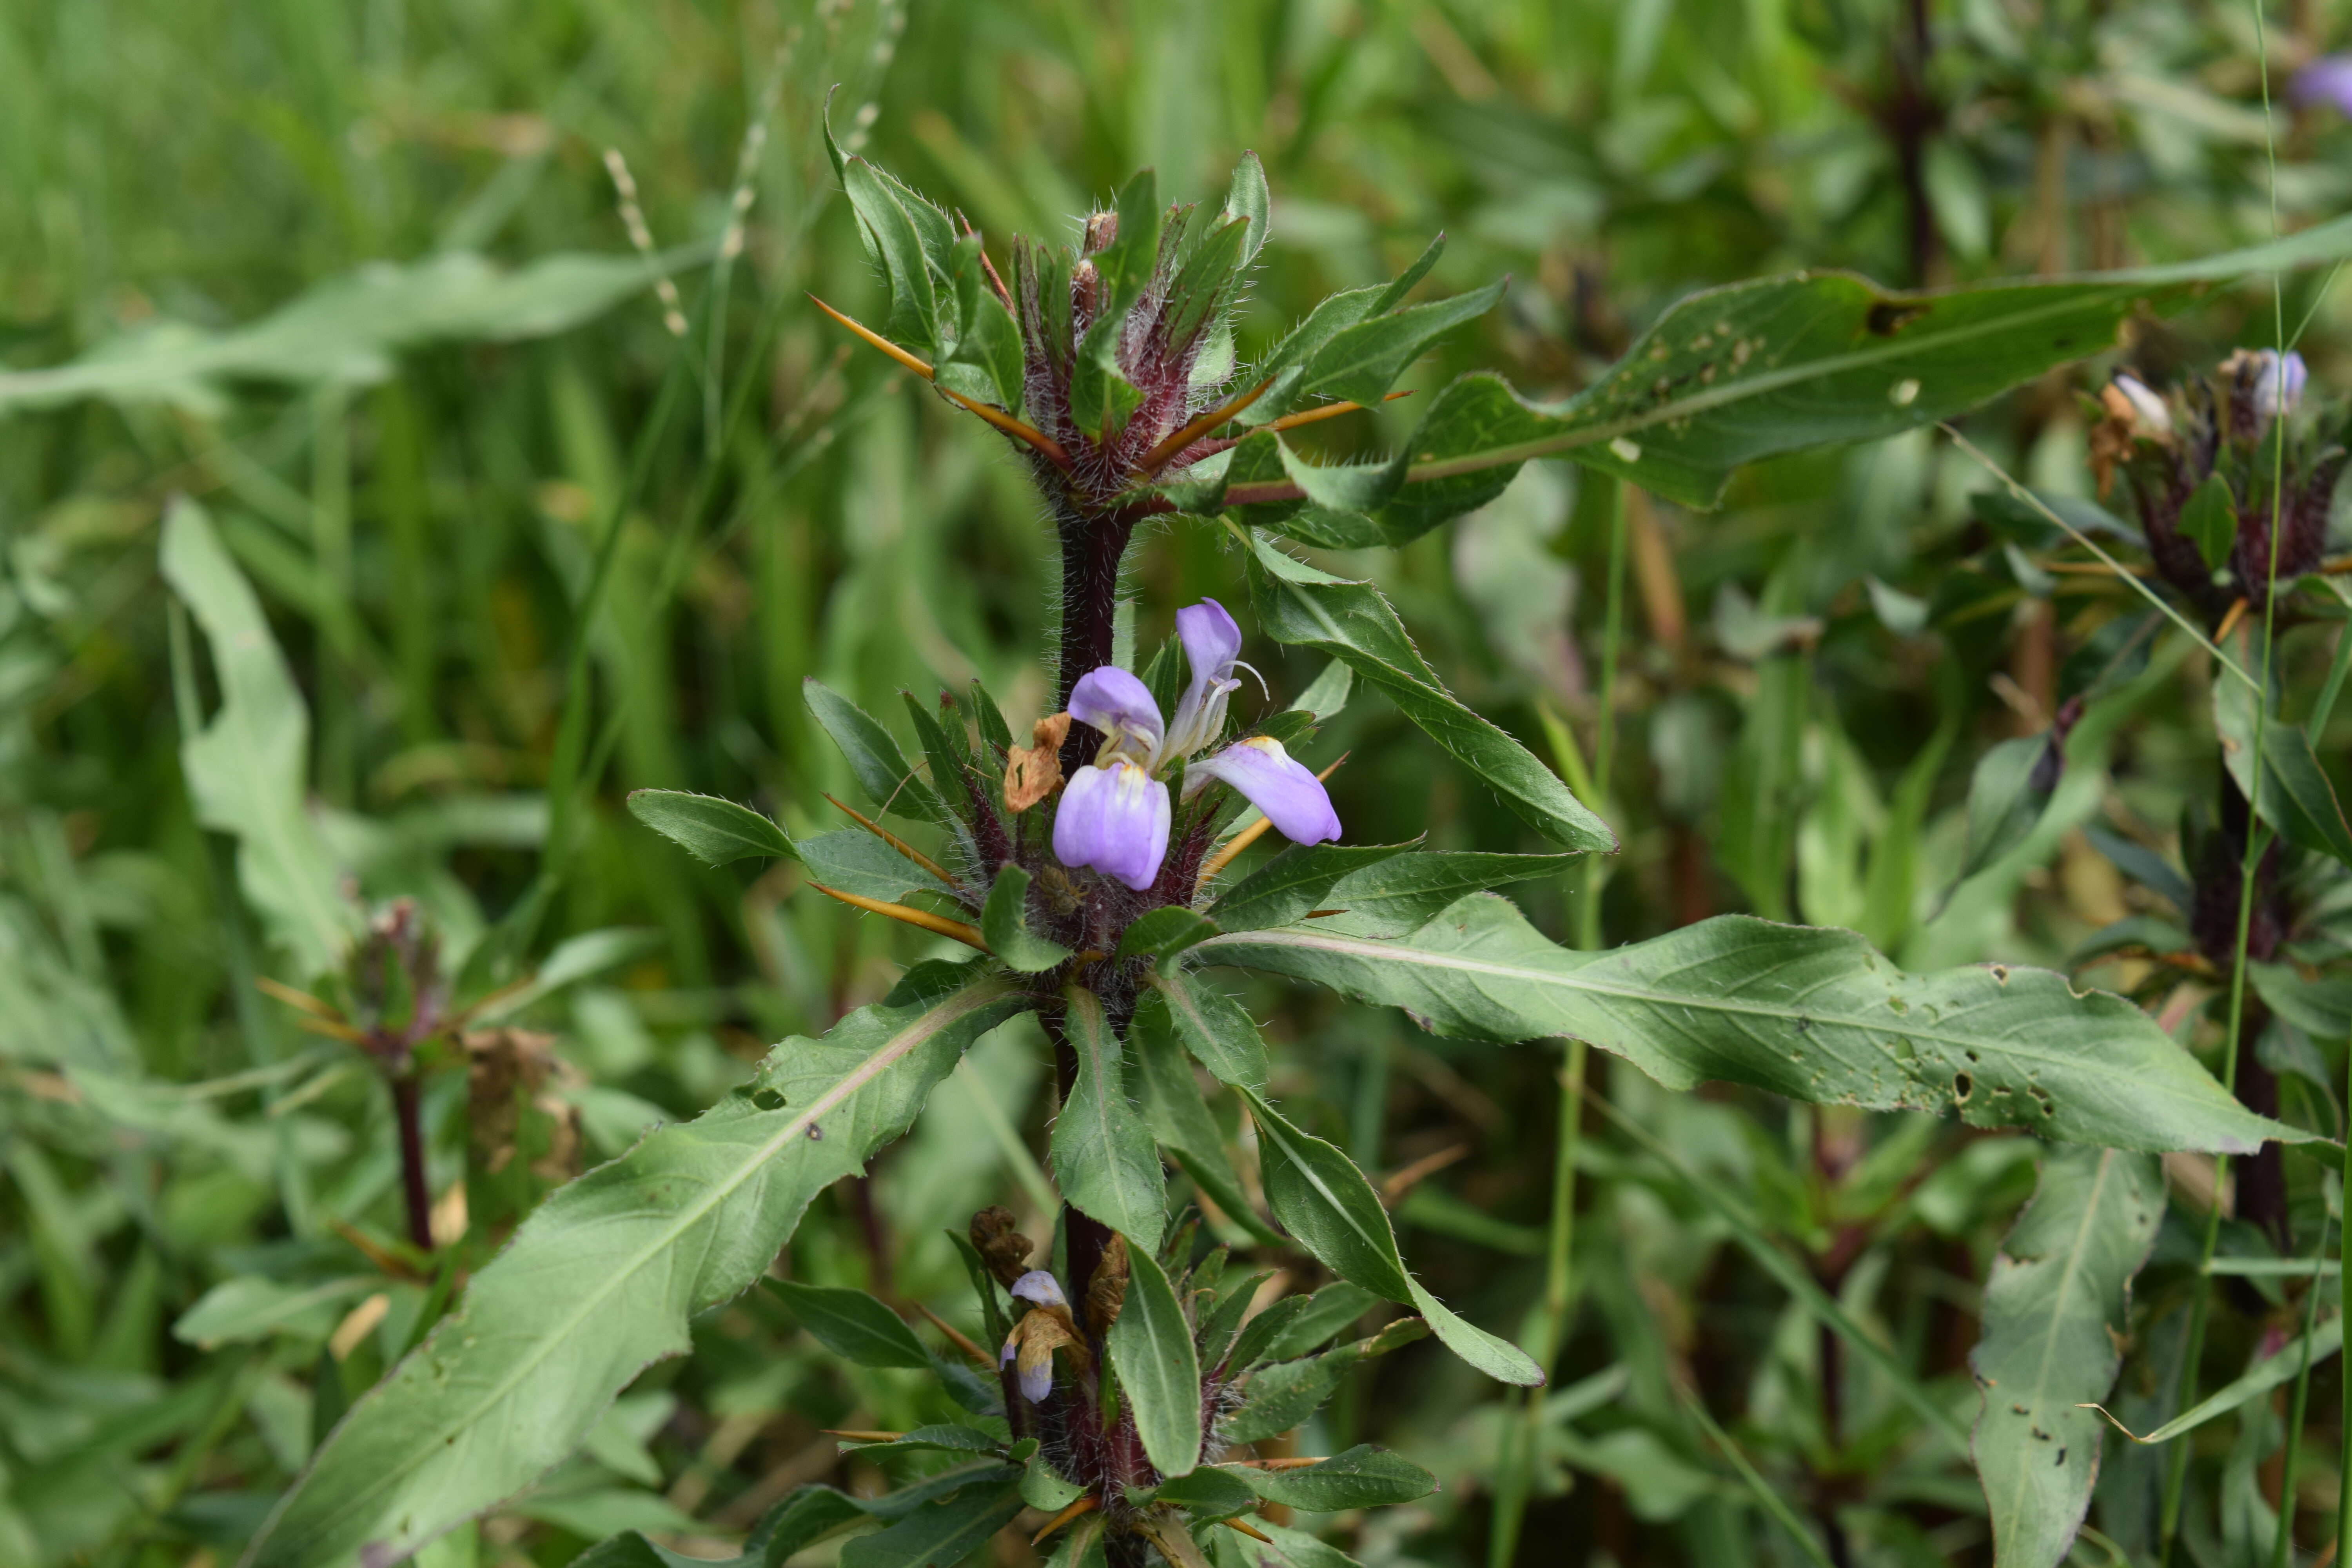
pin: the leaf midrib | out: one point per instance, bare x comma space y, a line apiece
1739, 391
888, 1054
2057, 1314
1424, 958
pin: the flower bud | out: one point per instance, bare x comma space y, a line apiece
1005, 1249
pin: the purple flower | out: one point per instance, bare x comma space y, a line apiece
2278, 383
1114, 813
1293, 799
1213, 645
1120, 706
2329, 80
1040, 1289
1114, 817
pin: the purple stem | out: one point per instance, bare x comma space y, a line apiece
409, 1113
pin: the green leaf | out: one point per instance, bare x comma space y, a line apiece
1363, 1476
939, 1532
250, 1309
1322, 1317
1351, 621
855, 861
1398, 897
2056, 1310
1103, 1158
714, 831
2296, 797
1808, 1014
893, 242
986, 364
937, 1439
1160, 934
1215, 1028
345, 330
1361, 362
1004, 926
852, 1324
1159, 1371
1316, 1193
1733, 375
1102, 399
874, 757
2003, 803
1045, 1489
607, 1274
2210, 522
1179, 1117
1247, 197
1285, 889
2320, 1004
2281, 1365
1290, 1549
245, 768
1279, 1397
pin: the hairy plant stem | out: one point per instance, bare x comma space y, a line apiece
1094, 549
408, 1112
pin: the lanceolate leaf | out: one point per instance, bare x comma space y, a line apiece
1740, 372
1105, 1160
2296, 797
1350, 621
2055, 1312
605, 1277
245, 768
1159, 1371
1215, 1028
1318, 1193
880, 766
1279, 1397
714, 831
1180, 1118
853, 1324
1812, 1015
1396, 897
1294, 883
947, 1531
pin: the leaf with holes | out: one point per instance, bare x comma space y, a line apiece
1732, 374
2055, 1311
607, 1275
1812, 1015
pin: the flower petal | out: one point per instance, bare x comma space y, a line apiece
2278, 384
1210, 637
1040, 1288
1212, 642
1293, 799
1113, 701
1114, 820
2329, 80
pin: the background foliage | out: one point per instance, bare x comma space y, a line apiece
354, 279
